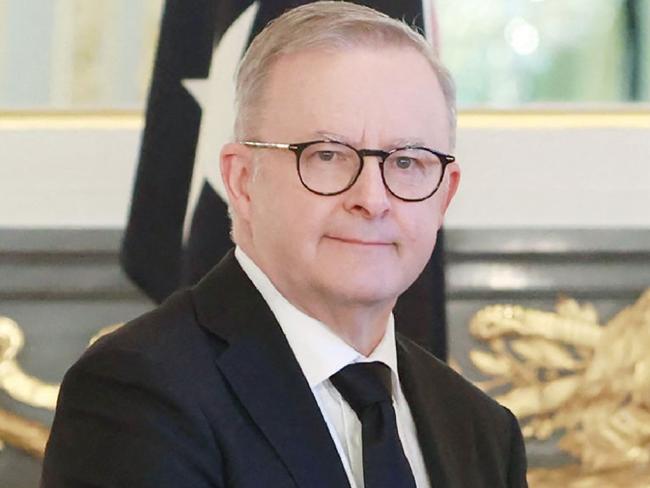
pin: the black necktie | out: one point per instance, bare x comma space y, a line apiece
367, 389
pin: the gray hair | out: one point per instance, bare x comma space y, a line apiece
325, 25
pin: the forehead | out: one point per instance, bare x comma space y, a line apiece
367, 95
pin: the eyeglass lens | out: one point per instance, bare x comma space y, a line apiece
332, 167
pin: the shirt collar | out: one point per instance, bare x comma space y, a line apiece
318, 350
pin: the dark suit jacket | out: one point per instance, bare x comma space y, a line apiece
205, 391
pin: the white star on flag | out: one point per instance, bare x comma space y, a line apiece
216, 96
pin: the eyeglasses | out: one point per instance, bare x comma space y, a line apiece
328, 168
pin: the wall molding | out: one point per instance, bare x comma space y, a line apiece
76, 264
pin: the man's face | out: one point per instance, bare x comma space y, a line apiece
364, 246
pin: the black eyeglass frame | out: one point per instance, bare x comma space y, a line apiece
298, 148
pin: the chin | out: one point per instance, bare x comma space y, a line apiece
366, 290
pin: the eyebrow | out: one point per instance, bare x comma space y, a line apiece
331, 136
408, 142
401, 142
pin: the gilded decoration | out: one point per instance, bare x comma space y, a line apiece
17, 431
559, 372
565, 372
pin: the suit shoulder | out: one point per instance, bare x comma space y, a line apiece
132, 400
452, 385
155, 352
464, 416
167, 333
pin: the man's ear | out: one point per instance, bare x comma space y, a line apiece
453, 179
237, 174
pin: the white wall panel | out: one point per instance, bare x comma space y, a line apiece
566, 177
66, 178
530, 177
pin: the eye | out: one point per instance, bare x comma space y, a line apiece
404, 162
326, 155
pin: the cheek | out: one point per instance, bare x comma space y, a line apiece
421, 224
419, 233
289, 219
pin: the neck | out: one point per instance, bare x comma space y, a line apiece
361, 325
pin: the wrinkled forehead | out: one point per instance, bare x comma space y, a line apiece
366, 94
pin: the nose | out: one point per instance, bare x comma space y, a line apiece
368, 196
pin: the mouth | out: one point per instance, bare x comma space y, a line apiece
361, 242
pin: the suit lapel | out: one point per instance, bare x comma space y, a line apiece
417, 373
264, 374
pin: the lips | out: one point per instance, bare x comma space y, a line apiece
361, 242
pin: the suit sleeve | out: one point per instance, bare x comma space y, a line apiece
122, 422
518, 465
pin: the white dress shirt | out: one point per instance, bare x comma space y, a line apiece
320, 354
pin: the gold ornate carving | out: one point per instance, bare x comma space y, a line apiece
17, 431
18, 384
564, 372
26, 435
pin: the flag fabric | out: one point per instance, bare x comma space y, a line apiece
178, 227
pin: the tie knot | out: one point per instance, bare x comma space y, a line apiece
363, 384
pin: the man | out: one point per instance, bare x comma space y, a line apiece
281, 368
